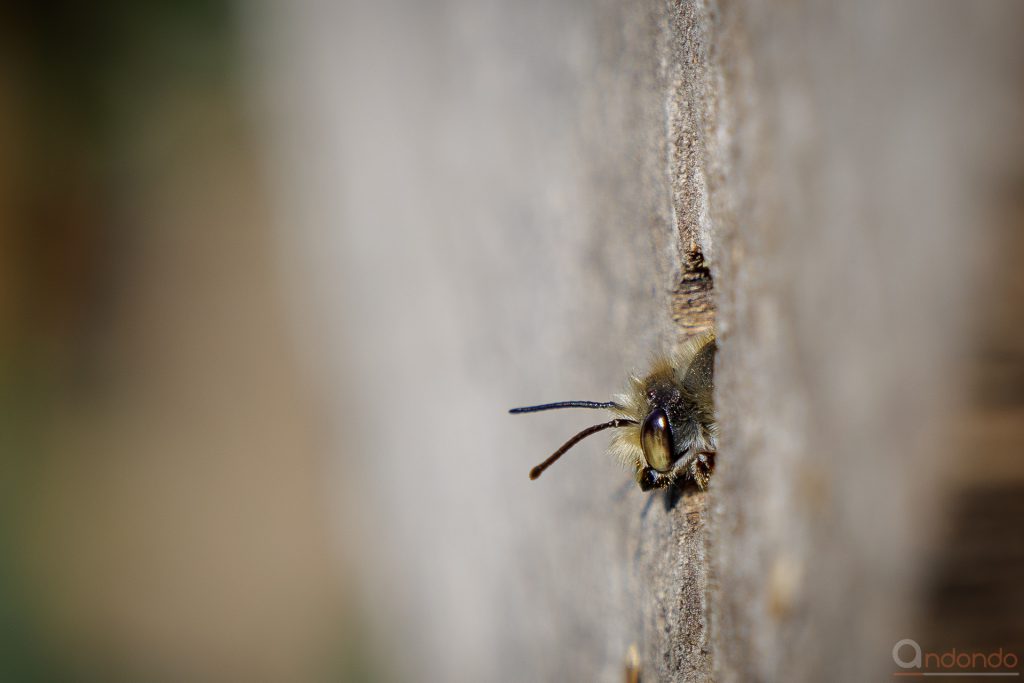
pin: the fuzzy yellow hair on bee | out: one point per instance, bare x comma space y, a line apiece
665, 419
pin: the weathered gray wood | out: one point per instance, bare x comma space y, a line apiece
854, 218
525, 200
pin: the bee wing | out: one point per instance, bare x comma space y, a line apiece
700, 374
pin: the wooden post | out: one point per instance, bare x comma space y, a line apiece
534, 199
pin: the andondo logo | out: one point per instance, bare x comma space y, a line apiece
915, 661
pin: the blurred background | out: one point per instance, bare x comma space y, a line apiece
271, 273
165, 515
270, 281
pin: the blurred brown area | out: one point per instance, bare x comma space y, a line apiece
163, 516
972, 596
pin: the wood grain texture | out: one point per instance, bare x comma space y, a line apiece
539, 195
856, 222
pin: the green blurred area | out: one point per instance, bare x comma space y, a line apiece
158, 519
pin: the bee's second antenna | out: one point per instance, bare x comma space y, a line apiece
612, 424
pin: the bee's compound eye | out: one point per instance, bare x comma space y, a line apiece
656, 440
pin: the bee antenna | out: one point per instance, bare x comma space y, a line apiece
612, 424
567, 404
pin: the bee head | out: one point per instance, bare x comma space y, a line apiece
666, 419
657, 442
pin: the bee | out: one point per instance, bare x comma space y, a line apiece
666, 424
